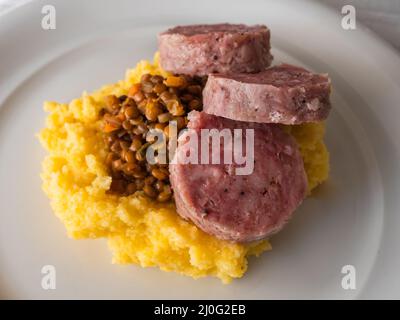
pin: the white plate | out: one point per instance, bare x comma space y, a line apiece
353, 220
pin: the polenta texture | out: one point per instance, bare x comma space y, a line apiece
139, 230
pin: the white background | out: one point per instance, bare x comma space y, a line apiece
381, 16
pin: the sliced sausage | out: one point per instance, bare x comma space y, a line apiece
240, 207
282, 94
203, 49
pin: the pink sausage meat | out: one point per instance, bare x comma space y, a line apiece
241, 207
203, 49
282, 94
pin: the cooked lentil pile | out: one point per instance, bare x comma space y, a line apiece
150, 104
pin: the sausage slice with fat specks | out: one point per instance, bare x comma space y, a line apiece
282, 94
203, 49
240, 207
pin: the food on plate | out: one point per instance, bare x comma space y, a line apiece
240, 207
281, 94
225, 48
102, 185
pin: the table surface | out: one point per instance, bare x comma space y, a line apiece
381, 16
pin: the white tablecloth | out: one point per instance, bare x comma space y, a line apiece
381, 16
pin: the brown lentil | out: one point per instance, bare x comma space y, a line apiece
129, 156
117, 164
132, 112
145, 78
124, 145
136, 121
131, 188
150, 191
164, 196
175, 108
153, 110
139, 184
149, 180
134, 89
159, 185
159, 88
195, 89
160, 174
138, 97
147, 87
164, 117
136, 143
195, 104
149, 104
156, 79
160, 126
127, 125
141, 153
131, 168
186, 97
122, 98
112, 102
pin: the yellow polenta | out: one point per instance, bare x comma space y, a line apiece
139, 230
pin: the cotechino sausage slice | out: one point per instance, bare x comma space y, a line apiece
282, 94
203, 49
240, 207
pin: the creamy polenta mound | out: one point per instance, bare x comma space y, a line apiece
139, 230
